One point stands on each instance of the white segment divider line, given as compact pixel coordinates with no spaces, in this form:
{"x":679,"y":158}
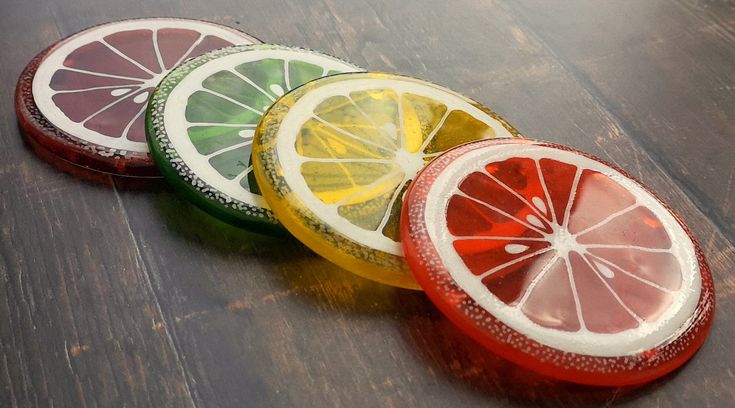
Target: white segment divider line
{"x":609,"y":218}
{"x":227,"y":98}
{"x":499,"y":211}
{"x":126,"y":57}
{"x":399,"y":129}
{"x":228,"y":148}
{"x":189,"y":50}
{"x":242,"y":175}
{"x":434,"y":131}
{"x":513,"y":262}
{"x":378,"y":129}
{"x":236,"y":181}
{"x":536,"y":279}
{"x":251,"y":83}
{"x":348,"y":134}
{"x":622,"y":246}
{"x":130,"y":124}
{"x":242,"y":125}
{"x":520,"y":197}
{"x":347,"y":160}
{"x":95,"y":88}
{"x":612,"y":292}
{"x":632,"y":275}
{"x":392,"y":201}
{"x":496,"y":238}
{"x":341,"y":165}
{"x":572,"y":197}
{"x":549,"y":204}
{"x":575,"y":295}
{"x":109,"y":105}
{"x":286,"y":75}
{"x":102,"y":74}
{"x":154,"y":35}
{"x":368,"y":187}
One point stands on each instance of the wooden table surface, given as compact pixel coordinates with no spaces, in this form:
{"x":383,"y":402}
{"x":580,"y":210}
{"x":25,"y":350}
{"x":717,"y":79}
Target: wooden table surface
{"x":111,"y":297}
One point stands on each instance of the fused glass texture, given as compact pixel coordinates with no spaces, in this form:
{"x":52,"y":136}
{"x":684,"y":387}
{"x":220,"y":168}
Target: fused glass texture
{"x":578,"y":252}
{"x":87,"y":94}
{"x":203,"y":118}
{"x":335,"y":157}
{"x":557,"y":261}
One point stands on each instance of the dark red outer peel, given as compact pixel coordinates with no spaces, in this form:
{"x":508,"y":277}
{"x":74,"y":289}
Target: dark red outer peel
{"x":432,"y":276}
{"x":94,"y":176}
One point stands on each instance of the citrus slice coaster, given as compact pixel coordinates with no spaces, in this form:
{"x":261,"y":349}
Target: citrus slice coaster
{"x":558,"y":261}
{"x":333,"y":159}
{"x":202,"y":119}
{"x":83,"y":99}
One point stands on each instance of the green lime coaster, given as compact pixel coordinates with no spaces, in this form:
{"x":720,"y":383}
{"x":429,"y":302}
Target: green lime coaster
{"x":202,"y":117}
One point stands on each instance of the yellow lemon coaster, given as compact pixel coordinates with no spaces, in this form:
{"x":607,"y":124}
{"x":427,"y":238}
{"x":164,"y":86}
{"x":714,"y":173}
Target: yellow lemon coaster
{"x":333,"y":159}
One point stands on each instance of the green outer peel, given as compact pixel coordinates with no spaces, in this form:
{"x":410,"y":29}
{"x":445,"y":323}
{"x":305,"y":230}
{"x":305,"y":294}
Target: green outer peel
{"x":182,"y":177}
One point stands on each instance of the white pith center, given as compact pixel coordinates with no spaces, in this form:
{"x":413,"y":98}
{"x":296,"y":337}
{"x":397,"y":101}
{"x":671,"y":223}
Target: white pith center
{"x":153,"y":82}
{"x":410,"y":163}
{"x":562,"y":240}
{"x":148,"y":85}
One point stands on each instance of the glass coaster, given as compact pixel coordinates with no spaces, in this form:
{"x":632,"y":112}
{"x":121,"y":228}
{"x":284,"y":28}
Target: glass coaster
{"x":558,"y":261}
{"x":334,"y":157}
{"x":203,"y":115}
{"x":83,"y":99}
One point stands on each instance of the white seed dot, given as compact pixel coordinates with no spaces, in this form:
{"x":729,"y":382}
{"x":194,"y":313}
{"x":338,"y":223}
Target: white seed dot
{"x":604,"y":270}
{"x":276,"y":89}
{"x":141,"y":98}
{"x":515,"y":248}
{"x":119,"y":92}
{"x":533,"y":220}
{"x":539,"y":203}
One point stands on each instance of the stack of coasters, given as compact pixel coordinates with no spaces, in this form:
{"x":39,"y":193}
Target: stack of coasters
{"x":546,"y":255}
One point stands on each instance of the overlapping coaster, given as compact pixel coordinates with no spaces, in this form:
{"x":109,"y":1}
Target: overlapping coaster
{"x":83,"y":99}
{"x":558,"y":261}
{"x":548,"y":256}
{"x":203,"y":116}
{"x":333,"y":159}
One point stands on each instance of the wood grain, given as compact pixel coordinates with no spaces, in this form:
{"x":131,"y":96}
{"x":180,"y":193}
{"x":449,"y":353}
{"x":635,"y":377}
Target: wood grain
{"x":113,"y":297}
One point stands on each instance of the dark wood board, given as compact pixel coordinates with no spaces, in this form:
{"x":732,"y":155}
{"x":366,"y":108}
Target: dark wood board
{"x":118,"y":297}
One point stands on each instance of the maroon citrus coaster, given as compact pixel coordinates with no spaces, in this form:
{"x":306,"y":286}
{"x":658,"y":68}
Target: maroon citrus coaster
{"x":82,"y":100}
{"x":557,"y":261}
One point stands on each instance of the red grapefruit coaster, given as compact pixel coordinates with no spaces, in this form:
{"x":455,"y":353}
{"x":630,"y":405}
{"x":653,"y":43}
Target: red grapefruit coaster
{"x":558,"y":261}
{"x":82,"y":100}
